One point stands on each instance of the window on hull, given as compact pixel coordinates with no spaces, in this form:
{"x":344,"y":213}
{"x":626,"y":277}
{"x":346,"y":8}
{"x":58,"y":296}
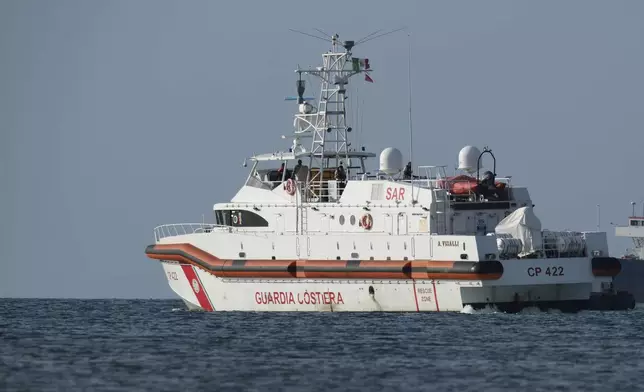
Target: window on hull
{"x":239,"y":218}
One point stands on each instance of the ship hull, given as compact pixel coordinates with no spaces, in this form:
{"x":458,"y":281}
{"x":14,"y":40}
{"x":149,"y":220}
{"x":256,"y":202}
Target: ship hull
{"x":203,"y":291}
{"x":631,"y":277}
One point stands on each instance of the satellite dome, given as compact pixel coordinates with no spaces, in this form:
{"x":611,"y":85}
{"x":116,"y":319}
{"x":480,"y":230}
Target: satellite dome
{"x":391,"y":161}
{"x":468,"y":159}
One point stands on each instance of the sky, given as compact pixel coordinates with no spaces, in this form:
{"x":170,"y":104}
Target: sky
{"x":118,"y":116}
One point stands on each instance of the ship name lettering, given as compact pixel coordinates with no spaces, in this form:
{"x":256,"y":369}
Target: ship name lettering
{"x":555,"y":270}
{"x":306,"y":298}
{"x":395,"y":193}
{"x":449,"y":243}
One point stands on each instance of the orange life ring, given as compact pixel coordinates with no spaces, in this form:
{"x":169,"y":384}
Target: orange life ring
{"x":289,"y":186}
{"x":366,"y":221}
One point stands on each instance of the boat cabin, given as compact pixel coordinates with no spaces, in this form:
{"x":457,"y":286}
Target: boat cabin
{"x":636,"y":221}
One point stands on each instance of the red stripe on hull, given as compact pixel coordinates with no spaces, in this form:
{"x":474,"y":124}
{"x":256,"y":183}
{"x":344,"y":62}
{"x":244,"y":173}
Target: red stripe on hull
{"x":415,"y":295}
{"x":197,"y":287}
{"x":435,"y":296}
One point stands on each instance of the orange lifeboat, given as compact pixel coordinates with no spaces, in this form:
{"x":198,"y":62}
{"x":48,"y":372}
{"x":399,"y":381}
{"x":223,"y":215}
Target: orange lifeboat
{"x":463,"y":184}
{"x":459,"y":185}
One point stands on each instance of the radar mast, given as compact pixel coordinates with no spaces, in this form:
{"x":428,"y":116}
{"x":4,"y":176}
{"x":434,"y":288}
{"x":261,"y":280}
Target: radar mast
{"x":328,"y":125}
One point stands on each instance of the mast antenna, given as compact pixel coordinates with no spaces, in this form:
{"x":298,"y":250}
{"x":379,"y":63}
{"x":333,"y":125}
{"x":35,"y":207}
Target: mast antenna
{"x":327,"y":124}
{"x":348,"y":45}
{"x":310,"y":35}
{"x":411,"y":144}
{"x":375,"y":35}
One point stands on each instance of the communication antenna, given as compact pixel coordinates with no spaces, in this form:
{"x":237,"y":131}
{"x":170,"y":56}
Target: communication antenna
{"x":411,"y":144}
{"x":348,"y":45}
{"x":310,"y":35}
{"x":375,"y":35}
{"x":323,"y":33}
{"x":327,"y":124}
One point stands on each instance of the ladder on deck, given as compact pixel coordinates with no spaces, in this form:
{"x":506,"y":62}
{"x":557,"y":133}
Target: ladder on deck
{"x":301,"y":211}
{"x":303,"y":219}
{"x":440,"y":199}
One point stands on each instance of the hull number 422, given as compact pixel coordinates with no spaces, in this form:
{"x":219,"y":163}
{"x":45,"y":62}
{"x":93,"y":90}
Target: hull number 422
{"x":548,"y":271}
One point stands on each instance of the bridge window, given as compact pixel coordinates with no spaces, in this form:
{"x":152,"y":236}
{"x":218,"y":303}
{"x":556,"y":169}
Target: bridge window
{"x":635,"y":222}
{"x":239,"y":218}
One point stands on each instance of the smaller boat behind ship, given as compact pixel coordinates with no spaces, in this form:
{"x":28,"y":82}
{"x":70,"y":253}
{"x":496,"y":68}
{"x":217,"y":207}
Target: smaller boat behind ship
{"x":632,"y":275}
{"x":315,"y":228}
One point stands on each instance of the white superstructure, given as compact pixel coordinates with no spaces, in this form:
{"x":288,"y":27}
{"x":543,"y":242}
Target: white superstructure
{"x":635,"y":231}
{"x":312,"y":237}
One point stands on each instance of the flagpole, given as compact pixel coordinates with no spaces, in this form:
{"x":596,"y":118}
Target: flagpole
{"x":411,"y":151}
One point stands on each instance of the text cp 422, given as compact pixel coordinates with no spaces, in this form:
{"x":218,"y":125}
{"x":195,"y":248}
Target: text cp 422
{"x":554,"y":270}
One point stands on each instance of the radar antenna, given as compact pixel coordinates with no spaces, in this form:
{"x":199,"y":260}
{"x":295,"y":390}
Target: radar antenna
{"x":327,"y":123}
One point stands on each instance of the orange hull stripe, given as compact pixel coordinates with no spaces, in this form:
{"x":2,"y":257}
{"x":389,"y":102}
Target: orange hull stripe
{"x":327,"y":269}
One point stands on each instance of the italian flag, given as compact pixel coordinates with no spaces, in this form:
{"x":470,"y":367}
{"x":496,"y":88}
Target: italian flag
{"x":360,"y":64}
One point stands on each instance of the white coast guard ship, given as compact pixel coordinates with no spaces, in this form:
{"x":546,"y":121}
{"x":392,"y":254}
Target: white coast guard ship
{"x":313,"y":237}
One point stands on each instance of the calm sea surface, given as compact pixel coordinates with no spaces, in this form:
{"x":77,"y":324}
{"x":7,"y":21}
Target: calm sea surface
{"x":108,"y":345}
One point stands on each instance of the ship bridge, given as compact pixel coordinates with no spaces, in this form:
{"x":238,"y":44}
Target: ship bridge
{"x":634,"y":230}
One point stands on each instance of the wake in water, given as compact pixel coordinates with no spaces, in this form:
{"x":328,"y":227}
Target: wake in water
{"x":468,"y":309}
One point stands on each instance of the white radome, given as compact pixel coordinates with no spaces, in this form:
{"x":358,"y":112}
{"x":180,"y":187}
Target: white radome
{"x":468,"y":158}
{"x":391,"y":161}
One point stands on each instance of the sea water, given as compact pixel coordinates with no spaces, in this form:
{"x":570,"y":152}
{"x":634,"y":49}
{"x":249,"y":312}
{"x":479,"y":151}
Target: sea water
{"x":156,"y":345}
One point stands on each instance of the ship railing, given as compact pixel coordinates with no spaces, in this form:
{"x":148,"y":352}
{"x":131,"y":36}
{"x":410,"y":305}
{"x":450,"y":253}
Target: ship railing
{"x":444,"y":183}
{"x":319,"y":190}
{"x":176,"y":229}
{"x":430,"y":182}
{"x":331,"y":190}
{"x":417,"y":181}
{"x":463,"y":187}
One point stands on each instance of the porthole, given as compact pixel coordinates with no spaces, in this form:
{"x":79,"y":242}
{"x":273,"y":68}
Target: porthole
{"x":352,"y":220}
{"x":341,"y":219}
